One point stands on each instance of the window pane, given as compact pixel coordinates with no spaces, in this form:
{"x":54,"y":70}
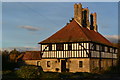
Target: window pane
{"x":94,"y":46}
{"x":50,"y":47}
{"x":70,"y":46}
{"x":103,"y":48}
{"x":59,"y":47}
{"x":80,"y":64}
{"x":48,"y":63}
{"x":108,"y":49}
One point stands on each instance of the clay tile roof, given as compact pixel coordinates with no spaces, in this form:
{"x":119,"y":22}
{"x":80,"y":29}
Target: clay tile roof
{"x":32,"y":55}
{"x":73,"y":32}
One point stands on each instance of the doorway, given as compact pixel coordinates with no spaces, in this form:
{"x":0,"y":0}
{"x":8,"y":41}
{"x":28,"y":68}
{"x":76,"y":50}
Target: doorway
{"x":63,"y":66}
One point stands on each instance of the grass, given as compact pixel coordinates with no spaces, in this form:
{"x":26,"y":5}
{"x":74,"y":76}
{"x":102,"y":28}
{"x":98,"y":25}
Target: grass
{"x":68,"y":76}
{"x":52,"y":76}
{"x":9,"y":75}
{"x":111,"y":72}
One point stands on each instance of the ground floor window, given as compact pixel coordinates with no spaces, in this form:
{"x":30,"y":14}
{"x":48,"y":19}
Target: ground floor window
{"x":38,"y":63}
{"x":48,"y":63}
{"x":80,"y":64}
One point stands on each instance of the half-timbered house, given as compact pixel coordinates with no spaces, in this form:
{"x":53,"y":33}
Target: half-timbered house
{"x":78,"y":47}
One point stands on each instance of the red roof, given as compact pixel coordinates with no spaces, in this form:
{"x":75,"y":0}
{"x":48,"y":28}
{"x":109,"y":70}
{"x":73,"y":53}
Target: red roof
{"x":32,"y":55}
{"x":73,"y":32}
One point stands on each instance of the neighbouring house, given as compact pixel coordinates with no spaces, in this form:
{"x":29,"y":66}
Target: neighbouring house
{"x":77,"y":47}
{"x":32,"y":58}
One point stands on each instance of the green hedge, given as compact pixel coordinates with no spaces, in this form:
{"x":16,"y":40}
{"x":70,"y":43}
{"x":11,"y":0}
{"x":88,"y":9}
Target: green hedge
{"x":28,"y":72}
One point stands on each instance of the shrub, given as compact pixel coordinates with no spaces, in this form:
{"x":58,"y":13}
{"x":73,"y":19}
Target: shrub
{"x":8,"y":74}
{"x":114,"y":69}
{"x":50,"y":75}
{"x":28,"y":72}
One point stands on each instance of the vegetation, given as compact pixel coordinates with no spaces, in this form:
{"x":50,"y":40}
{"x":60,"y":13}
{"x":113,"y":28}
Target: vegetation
{"x":28,"y":72}
{"x":9,"y":59}
{"x":34,"y":72}
{"x":13,"y":55}
{"x":9,"y":62}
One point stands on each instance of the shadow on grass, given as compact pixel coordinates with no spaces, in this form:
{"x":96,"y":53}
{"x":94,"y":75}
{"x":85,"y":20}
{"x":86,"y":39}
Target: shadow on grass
{"x":11,"y":75}
{"x":69,"y":76}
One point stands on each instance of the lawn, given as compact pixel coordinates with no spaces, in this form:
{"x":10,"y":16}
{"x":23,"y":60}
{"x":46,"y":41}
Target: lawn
{"x":36,"y":73}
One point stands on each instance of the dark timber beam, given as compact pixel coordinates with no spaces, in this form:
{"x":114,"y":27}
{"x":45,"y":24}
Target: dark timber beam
{"x":84,"y":48}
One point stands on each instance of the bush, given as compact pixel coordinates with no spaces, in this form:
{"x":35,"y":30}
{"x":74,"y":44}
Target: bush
{"x":8,"y":74}
{"x":50,"y":75}
{"x":28,"y":72}
{"x":113,"y":70}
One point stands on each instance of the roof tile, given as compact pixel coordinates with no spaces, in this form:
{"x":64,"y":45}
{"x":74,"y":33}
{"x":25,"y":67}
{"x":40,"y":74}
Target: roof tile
{"x":32,"y":55}
{"x":73,"y":32}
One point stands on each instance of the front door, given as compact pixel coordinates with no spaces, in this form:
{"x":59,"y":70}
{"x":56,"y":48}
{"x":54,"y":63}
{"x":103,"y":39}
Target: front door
{"x":63,"y":66}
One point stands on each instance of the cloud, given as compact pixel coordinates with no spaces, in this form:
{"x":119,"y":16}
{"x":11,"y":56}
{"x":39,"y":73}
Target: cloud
{"x":112,"y":38}
{"x":30,"y":28}
{"x":24,"y":48}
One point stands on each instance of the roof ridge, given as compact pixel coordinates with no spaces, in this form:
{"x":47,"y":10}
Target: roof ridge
{"x":74,"y":32}
{"x":82,"y":29}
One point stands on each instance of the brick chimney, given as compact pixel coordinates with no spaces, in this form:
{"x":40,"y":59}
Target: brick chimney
{"x":85,"y":18}
{"x":93,"y":22}
{"x":81,"y":16}
{"x":78,"y":13}
{"x":75,"y":11}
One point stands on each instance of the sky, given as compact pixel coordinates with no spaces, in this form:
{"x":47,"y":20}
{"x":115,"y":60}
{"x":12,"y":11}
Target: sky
{"x":60,"y":0}
{"x":24,"y":24}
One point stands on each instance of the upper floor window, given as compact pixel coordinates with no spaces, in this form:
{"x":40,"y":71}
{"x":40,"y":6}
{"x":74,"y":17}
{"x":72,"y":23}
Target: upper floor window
{"x":59,"y":47}
{"x":70,"y":46}
{"x":50,"y":47}
{"x":111,"y":49}
{"x":108,"y":49}
{"x":94,"y":46}
{"x":103,"y":48}
{"x":115,"y":50}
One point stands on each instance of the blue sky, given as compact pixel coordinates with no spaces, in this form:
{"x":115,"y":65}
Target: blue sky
{"x":26,"y":23}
